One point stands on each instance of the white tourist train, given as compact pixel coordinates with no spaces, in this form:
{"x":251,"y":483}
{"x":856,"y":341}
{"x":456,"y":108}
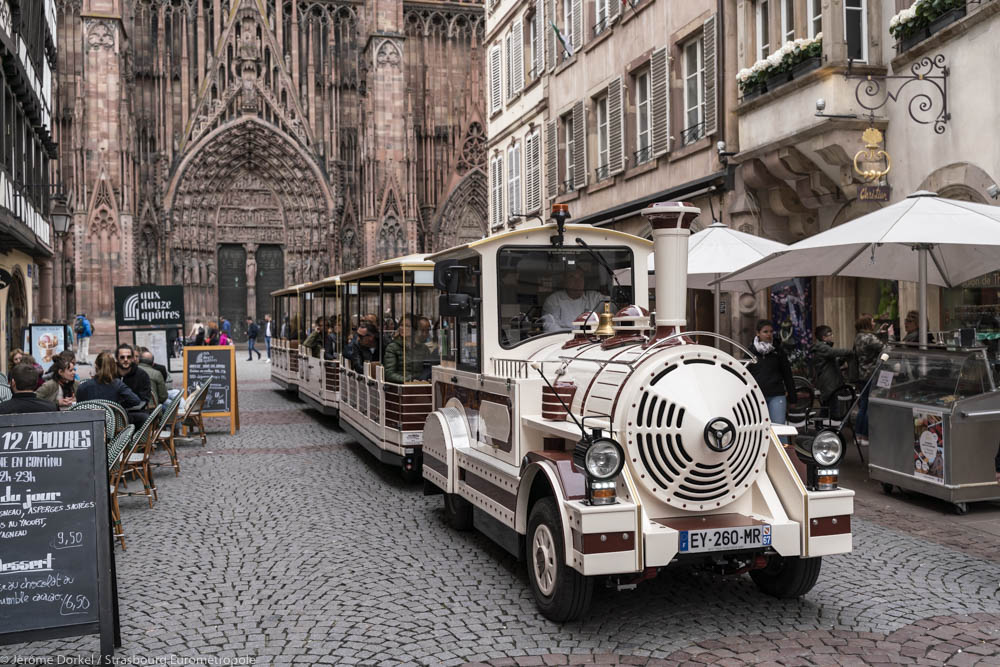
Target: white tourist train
{"x":556,"y":416}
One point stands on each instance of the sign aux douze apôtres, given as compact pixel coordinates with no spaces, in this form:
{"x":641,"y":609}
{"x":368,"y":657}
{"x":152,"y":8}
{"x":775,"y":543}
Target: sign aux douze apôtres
{"x":149,"y":305}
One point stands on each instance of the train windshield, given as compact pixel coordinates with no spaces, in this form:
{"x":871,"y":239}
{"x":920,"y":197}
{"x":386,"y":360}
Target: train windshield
{"x":543,"y":289}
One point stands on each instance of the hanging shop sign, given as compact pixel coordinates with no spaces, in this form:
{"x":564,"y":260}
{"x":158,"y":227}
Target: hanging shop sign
{"x":149,"y":305}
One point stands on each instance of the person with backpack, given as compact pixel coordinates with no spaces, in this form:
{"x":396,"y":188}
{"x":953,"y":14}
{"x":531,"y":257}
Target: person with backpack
{"x":253,"y":330}
{"x":83,"y":330}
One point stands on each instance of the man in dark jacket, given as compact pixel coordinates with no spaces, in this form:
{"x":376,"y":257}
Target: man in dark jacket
{"x":24,"y":400}
{"x":252,"y":332}
{"x":825,"y":360}
{"x":363,"y":347}
{"x":134,"y":379}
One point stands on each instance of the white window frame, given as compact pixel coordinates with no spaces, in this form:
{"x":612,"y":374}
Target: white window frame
{"x":787,"y":21}
{"x":497,"y":186}
{"x":533,"y":172}
{"x":508,"y":61}
{"x":603,"y":151}
{"x":763,"y":27}
{"x":644,"y":109}
{"x":601,"y":14}
{"x":514,"y":195}
{"x":815,"y":18}
{"x":863,"y":11}
{"x":496,"y":100}
{"x":696,"y":105}
{"x":531,"y":47}
{"x":569,"y":155}
{"x":567,"y":28}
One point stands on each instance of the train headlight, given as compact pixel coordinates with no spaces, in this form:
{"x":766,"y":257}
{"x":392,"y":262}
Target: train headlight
{"x":827,"y":448}
{"x":604,"y":459}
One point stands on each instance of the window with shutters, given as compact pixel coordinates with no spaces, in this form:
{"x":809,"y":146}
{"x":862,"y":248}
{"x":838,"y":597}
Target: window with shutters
{"x":496,"y":191}
{"x":514,"y":179}
{"x":508,"y":68}
{"x":643,"y":119}
{"x":815,"y":17}
{"x":763,"y":29}
{"x":856,"y":29}
{"x":601,"y":16}
{"x":569,"y":154}
{"x":531,"y":45}
{"x":494,"y":79}
{"x":517,"y":60}
{"x":787,"y":20}
{"x":532,"y":172}
{"x":567,"y":28}
{"x":694,"y":91}
{"x":601,"y":114}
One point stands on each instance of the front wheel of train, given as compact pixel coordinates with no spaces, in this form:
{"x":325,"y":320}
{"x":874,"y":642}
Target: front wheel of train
{"x":457,"y":511}
{"x":790,"y":577}
{"x":561,"y":593}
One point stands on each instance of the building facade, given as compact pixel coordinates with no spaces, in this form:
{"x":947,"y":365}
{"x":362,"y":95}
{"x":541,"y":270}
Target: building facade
{"x":607,"y":106}
{"x":236,"y":146}
{"x":796,"y":172}
{"x":28,"y":52}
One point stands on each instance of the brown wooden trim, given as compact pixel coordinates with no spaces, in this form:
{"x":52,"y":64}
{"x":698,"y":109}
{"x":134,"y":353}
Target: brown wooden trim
{"x":573,"y":483}
{"x":830,"y":525}
{"x":488,"y":489}
{"x":591,"y":543}
{"x":708,"y":522}
{"x":554,"y":444}
{"x":435,"y":464}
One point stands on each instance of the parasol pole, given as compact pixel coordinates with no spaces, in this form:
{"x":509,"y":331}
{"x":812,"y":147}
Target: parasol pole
{"x":718,"y":302}
{"x":922,"y":292}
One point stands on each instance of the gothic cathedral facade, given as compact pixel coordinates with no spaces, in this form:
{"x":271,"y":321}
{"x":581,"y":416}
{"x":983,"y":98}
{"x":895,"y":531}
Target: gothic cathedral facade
{"x":236,"y":146}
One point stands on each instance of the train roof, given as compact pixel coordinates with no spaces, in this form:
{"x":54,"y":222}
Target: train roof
{"x":417,"y":262}
{"x":293,"y":289}
{"x":543,"y":232}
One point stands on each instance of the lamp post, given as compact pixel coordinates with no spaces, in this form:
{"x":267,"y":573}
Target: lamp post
{"x":61,"y":219}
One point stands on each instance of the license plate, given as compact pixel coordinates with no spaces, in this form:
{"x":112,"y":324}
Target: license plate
{"x":725,"y":539}
{"x":413,"y":438}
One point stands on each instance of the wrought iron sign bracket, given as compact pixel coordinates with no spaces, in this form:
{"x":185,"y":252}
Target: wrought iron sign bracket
{"x":874,"y":92}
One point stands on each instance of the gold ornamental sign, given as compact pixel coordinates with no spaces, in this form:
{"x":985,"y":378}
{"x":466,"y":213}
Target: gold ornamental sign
{"x":873,"y":164}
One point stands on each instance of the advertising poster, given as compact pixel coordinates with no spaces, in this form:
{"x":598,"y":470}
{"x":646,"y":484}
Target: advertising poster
{"x":928,"y":446}
{"x":791,"y":313}
{"x":46,"y":340}
{"x":156,"y":341}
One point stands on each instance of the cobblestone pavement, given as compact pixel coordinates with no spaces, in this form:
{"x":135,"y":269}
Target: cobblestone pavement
{"x":288,"y":543}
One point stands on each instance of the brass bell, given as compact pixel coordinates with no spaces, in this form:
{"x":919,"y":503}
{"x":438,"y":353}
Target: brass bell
{"x":605,"y":328}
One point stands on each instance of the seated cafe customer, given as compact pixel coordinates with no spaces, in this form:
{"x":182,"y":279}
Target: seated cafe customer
{"x":60,"y":390}
{"x":136,"y":380}
{"x":107,"y":386}
{"x":23,"y":380}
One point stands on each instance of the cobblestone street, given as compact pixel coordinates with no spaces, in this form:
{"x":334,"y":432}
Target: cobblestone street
{"x":288,"y":543}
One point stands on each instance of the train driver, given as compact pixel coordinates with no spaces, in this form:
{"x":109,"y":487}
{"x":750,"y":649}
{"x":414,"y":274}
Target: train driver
{"x":565,"y":305}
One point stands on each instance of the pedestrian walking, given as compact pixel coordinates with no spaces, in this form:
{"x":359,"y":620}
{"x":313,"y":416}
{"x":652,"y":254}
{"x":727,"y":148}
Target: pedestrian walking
{"x":867,"y":347}
{"x":252,"y":332}
{"x":773,"y":372}
{"x":83,"y":330}
{"x":267,"y":336}
{"x":825,"y":360}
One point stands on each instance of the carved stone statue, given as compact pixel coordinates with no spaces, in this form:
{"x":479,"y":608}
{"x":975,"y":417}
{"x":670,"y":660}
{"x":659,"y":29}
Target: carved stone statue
{"x":178,"y":270}
{"x":210,"y":269}
{"x":251,"y":270}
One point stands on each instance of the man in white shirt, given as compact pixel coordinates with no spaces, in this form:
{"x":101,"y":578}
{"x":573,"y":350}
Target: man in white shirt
{"x":565,"y":305}
{"x":267,"y":336}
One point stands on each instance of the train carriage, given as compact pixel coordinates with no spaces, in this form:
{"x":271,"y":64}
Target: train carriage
{"x":591,"y":442}
{"x":287,"y":319}
{"x":384,"y":403}
{"x":319,"y":365}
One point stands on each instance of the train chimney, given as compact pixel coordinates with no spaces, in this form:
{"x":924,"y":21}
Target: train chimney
{"x":671,"y":223}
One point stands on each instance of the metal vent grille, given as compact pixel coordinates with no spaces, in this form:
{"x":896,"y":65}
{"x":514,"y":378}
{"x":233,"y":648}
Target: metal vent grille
{"x":666,"y":430}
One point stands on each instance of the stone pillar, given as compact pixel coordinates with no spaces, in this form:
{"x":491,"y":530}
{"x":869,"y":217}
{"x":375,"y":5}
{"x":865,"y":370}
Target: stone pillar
{"x":837,"y":308}
{"x":45,"y":289}
{"x":58,"y":291}
{"x":251,"y":282}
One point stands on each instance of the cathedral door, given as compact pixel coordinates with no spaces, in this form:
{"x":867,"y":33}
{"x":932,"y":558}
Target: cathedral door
{"x":233,"y":287}
{"x":270,"y":277}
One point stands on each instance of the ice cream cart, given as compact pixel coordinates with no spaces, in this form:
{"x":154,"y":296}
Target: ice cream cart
{"x":934,"y":423}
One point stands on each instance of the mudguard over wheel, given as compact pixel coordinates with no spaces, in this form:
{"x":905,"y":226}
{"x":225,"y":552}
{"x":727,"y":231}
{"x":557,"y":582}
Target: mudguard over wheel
{"x":457,"y":511}
{"x":790,"y":577}
{"x":561,"y":593}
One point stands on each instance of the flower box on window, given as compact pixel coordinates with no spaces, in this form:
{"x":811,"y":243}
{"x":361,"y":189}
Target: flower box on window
{"x":805,"y":66}
{"x":791,"y":60}
{"x":922,"y":19}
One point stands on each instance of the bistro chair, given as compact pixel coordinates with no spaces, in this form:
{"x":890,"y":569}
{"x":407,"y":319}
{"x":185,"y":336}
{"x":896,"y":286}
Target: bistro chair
{"x":115,"y":451}
{"x":137,"y":462}
{"x":110,"y":420}
{"x":121,"y":416}
{"x":165,"y":433}
{"x":192,"y":419}
{"x":3,"y":379}
{"x":5,"y":393}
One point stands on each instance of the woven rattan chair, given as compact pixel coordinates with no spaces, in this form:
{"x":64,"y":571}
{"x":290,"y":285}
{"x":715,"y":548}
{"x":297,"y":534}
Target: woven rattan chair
{"x":165,"y":433}
{"x":3,"y":379}
{"x":137,"y":462}
{"x":5,"y":393}
{"x":192,"y":419}
{"x":121,"y":416}
{"x":110,"y":420}
{"x":116,"y":452}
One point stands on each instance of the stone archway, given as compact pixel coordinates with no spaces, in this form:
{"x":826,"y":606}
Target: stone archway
{"x":249,"y":183}
{"x":464,"y":216}
{"x":16,"y":312}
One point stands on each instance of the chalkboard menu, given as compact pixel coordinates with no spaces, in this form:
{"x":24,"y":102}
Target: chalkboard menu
{"x":56,"y":566}
{"x":217,"y":362}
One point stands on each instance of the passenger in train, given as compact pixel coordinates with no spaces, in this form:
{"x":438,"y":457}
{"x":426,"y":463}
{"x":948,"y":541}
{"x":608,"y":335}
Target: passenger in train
{"x":330,"y":341}
{"x":404,"y":356}
{"x":363,"y":348}
{"x":565,"y":305}
{"x":314,"y":342}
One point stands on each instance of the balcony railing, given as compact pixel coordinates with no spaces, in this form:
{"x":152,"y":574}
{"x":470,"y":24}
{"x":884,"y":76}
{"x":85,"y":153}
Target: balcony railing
{"x":602,"y":172}
{"x":643,"y":155}
{"x":567,"y":185}
{"x":601,"y":25}
{"x":693,"y":134}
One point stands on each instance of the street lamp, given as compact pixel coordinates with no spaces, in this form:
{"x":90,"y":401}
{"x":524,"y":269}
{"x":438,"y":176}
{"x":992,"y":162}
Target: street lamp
{"x":60,"y":215}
